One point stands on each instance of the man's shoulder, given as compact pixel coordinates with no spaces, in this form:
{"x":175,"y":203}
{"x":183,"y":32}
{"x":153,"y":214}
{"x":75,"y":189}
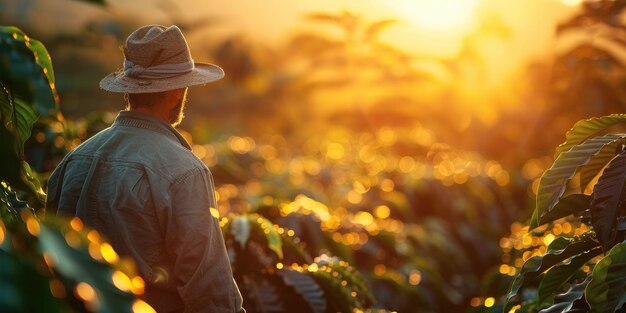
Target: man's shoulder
{"x":164,"y":154}
{"x":156,"y":151}
{"x":183,"y":162}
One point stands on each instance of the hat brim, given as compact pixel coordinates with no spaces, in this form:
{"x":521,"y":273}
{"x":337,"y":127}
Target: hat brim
{"x":202,"y":73}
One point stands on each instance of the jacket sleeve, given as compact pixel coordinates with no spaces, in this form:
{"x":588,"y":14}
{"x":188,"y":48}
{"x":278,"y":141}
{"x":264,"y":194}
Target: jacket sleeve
{"x":195,"y":244}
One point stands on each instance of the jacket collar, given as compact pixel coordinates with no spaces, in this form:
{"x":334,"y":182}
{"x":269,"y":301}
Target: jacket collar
{"x":151,"y":122}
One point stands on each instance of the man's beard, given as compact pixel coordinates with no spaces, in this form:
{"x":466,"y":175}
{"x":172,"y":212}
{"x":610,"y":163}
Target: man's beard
{"x":177,"y":113}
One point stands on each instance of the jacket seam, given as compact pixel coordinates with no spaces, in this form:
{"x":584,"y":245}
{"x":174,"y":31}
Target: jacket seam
{"x":139,"y":165}
{"x":184,"y":177}
{"x":142,"y":124}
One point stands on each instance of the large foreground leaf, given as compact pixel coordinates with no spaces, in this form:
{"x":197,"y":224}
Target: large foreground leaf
{"x":605,"y":292}
{"x":586,"y":128}
{"x":20,"y":282}
{"x":558,"y":275}
{"x":26,"y":70}
{"x":79,"y":266}
{"x":572,"y":301}
{"x":555,"y":180}
{"x":65,"y":257}
{"x":26,"y":92}
{"x":537,"y":265}
{"x":606,"y":199}
{"x":16,"y":119}
{"x":569,"y":205}
{"x":596,"y":165}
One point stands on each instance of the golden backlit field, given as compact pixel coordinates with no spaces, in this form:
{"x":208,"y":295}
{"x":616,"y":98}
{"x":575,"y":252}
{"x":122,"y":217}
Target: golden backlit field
{"x":369,"y":156}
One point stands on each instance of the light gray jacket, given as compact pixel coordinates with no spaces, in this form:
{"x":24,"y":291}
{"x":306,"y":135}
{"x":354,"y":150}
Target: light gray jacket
{"x":138,"y":183}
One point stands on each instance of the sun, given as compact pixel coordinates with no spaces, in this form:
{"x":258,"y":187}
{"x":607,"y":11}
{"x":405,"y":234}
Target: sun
{"x":436,"y":14}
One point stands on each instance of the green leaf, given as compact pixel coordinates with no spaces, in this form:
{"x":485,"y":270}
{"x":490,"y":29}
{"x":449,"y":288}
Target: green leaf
{"x":571,"y":299}
{"x":606,"y":199}
{"x":10,"y":205}
{"x":330,"y":275}
{"x":26,"y":70}
{"x":17,"y":116}
{"x":569,"y":205}
{"x":26,"y":91}
{"x":40,"y":53}
{"x":555,"y":180}
{"x":20,"y":283}
{"x":558,"y":275}
{"x":596,"y":165}
{"x":76,"y":264}
{"x":338,"y":296}
{"x":586,"y":128}
{"x":266,"y":228}
{"x":559,"y":243}
{"x":294,"y":251}
{"x":605,"y":291}
{"x":306,"y":287}
{"x":28,"y":176}
{"x":12,"y":151}
{"x":537,"y":265}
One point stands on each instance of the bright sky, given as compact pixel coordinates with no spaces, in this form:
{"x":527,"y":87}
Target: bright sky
{"x":424,"y":27}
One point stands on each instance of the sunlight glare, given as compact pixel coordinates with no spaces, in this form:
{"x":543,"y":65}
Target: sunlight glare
{"x":436,"y":15}
{"x":572,"y":3}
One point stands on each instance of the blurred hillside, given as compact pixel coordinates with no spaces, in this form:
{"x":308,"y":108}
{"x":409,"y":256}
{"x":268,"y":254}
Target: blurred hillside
{"x":337,"y":70}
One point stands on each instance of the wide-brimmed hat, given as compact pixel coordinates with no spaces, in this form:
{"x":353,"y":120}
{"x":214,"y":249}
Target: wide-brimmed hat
{"x":157,"y":58}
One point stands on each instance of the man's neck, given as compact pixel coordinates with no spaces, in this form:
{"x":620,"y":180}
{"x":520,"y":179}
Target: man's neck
{"x":157,"y":113}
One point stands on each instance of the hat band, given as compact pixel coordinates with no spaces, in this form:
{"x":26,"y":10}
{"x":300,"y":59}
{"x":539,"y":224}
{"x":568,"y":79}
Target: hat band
{"x":157,"y":71}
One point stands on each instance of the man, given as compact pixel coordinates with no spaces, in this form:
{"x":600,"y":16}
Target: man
{"x":138,"y":183}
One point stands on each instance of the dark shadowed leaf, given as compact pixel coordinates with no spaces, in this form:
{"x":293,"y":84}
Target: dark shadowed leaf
{"x":596,"y":165}
{"x":605,"y":292}
{"x":559,"y":243}
{"x":606,"y":198}
{"x":19,"y":281}
{"x":264,"y":296}
{"x":537,"y":265}
{"x":558,"y":275}
{"x":571,"y":301}
{"x":305,"y":286}
{"x":569,"y":205}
